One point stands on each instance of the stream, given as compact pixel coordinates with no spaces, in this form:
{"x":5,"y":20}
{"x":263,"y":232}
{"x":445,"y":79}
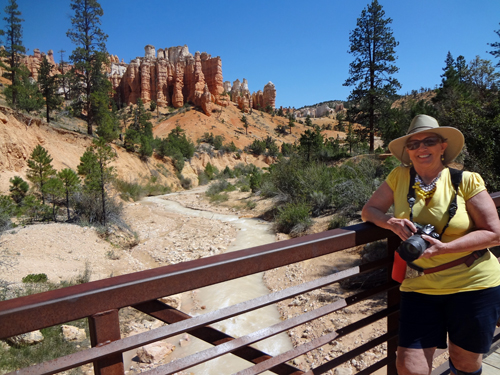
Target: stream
{"x":250,"y":232}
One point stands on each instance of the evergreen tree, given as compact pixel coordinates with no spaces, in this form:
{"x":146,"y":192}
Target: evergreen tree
{"x":26,"y":92}
{"x":451,"y":88}
{"x":94,"y":166}
{"x":308,"y":121}
{"x":311,"y":143}
{"x":18,"y":189}
{"x":140,"y":131}
{"x":40,"y":170}
{"x":54,"y":189}
{"x":245,"y":123}
{"x":71,"y":182}
{"x":496,"y":48}
{"x":48,"y":87}
{"x":14,"y":45}
{"x":89,"y":55}
{"x":373,"y":45}
{"x":291,"y":122}
{"x":108,"y":124}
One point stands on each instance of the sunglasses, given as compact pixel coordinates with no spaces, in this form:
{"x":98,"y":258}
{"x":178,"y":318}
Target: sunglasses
{"x":428,"y":142}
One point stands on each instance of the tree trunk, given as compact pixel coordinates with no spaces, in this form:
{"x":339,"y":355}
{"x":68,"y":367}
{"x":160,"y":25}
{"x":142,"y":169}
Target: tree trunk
{"x":67,"y":203}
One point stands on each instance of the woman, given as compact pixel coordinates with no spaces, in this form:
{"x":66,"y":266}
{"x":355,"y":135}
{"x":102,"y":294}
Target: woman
{"x":458,"y":296}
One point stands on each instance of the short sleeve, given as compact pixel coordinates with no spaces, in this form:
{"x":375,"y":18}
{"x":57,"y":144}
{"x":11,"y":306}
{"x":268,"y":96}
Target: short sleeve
{"x":394,"y":176}
{"x":472,"y":184}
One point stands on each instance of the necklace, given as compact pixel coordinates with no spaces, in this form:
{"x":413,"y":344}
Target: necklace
{"x":423,"y":190}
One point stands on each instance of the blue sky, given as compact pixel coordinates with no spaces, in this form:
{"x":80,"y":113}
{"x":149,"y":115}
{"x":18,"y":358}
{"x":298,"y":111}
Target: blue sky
{"x":301,"y":46}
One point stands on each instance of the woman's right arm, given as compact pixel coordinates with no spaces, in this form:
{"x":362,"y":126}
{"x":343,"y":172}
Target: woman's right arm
{"x":375,"y":210}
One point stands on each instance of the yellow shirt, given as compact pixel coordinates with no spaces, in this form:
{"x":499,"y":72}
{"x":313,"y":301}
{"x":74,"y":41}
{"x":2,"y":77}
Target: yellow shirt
{"x":484,"y":273}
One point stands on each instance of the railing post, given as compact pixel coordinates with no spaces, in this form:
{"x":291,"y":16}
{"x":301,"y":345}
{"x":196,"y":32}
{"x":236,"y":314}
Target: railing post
{"x":393,"y":298}
{"x":104,"y":327}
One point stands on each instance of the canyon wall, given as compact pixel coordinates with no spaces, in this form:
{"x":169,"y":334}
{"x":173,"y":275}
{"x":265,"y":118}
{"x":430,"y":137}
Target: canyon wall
{"x":173,"y":77}
{"x":170,"y":77}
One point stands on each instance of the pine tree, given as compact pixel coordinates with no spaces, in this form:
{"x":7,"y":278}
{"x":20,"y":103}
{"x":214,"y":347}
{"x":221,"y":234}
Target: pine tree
{"x":54,"y":189}
{"x":291,"y":122}
{"x":373,"y":46}
{"x":71,"y":182}
{"x":245,"y":123}
{"x":496,"y":48}
{"x":94,"y":166}
{"x":18,"y":189}
{"x":49,"y":85}
{"x":89,"y":55}
{"x":14,"y":45}
{"x":39,"y":169}
{"x":26,"y":92}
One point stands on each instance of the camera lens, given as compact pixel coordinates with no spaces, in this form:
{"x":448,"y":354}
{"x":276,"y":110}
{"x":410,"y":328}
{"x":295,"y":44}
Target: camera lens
{"x":412,"y":248}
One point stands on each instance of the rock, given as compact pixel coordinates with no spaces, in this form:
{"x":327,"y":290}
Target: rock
{"x":29,"y":338}
{"x":154,"y":352}
{"x":174,"y":301}
{"x":72,"y":333}
{"x":269,"y":96}
{"x":343,"y":371}
{"x":174,"y":77}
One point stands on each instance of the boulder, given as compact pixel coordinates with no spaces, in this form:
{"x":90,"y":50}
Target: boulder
{"x":29,"y":338}
{"x":72,"y":333}
{"x":154,"y":352}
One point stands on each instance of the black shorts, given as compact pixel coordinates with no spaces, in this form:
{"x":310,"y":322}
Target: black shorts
{"x":468,"y":318}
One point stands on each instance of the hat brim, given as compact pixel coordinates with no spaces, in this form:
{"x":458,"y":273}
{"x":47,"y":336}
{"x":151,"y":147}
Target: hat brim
{"x":454,"y":139}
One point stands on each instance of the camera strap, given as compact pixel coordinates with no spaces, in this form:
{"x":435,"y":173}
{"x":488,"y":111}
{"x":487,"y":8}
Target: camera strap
{"x":456,"y":179}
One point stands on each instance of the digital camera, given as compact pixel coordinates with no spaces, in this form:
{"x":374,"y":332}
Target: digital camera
{"x":413,"y":247}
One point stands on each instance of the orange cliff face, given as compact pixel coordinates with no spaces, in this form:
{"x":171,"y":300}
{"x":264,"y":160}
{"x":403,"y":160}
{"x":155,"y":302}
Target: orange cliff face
{"x":173,"y":76}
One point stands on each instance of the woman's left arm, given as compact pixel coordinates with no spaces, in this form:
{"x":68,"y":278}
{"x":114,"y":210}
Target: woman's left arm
{"x":483,"y":212}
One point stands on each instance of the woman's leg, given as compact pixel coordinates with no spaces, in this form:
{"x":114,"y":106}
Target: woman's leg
{"x":464,"y":360}
{"x":414,"y":361}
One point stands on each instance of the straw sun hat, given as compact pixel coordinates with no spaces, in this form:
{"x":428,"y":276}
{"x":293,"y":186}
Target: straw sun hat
{"x":428,"y":124}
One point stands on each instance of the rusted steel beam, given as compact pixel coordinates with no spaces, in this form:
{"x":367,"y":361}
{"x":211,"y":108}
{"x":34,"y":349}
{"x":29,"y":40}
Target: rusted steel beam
{"x":318,"y":342}
{"x":231,"y":346}
{"x":114,"y":347}
{"x":42,"y":310}
{"x":378,"y":365}
{"x":351,"y":354}
{"x":105,"y":328}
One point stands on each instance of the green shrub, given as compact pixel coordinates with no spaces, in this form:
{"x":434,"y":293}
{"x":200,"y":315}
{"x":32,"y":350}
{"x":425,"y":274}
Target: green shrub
{"x":218,"y":198}
{"x":203,"y":179}
{"x":211,"y":171}
{"x":293,"y":218}
{"x":250,"y":205}
{"x":186,"y":183}
{"x":220,"y":186}
{"x":35,"y":278}
{"x":338,"y":221}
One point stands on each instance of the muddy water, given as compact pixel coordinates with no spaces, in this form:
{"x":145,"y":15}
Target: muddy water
{"x":251,"y":232}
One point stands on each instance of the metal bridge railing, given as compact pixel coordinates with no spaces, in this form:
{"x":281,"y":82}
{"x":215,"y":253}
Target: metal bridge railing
{"x":100,"y":301}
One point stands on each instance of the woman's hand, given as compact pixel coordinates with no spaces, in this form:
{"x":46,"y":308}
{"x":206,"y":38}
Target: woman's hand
{"x":436,"y":247}
{"x":404,"y":228}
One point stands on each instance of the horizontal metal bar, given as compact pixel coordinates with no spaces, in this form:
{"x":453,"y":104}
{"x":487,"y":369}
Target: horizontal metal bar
{"x":228,"y":347}
{"x":209,"y":334}
{"x":251,"y":338}
{"x":378,"y":365}
{"x":42,"y":310}
{"x":132,"y":342}
{"x":316,"y":343}
{"x":352,"y":353}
